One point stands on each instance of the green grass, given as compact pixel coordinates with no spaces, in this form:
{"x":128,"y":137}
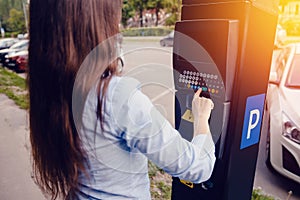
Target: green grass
{"x":259,"y":195}
{"x":14,"y":87}
{"x":160,"y":183}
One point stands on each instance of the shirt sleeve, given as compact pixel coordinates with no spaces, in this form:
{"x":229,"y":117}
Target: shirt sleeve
{"x":145,"y":129}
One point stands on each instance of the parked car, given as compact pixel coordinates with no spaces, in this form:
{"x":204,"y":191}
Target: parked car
{"x":19,"y":46}
{"x":167,"y":40}
{"x":7,"y":42}
{"x":283,"y":109}
{"x":17,"y":61}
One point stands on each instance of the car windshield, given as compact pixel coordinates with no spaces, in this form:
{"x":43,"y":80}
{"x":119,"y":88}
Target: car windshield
{"x":293,"y":80}
{"x":19,"y":45}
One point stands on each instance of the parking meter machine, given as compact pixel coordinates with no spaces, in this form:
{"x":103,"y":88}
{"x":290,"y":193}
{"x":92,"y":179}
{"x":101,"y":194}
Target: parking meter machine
{"x":204,"y":56}
{"x":224,"y":47}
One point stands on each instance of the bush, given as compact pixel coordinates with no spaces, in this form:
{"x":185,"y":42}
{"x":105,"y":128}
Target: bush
{"x":259,"y":195}
{"x":172,"y":19}
{"x":11,"y":34}
{"x":292,"y":27}
{"x":155,"y":31}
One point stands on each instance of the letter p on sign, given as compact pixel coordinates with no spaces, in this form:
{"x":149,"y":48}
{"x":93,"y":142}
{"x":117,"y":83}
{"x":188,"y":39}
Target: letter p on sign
{"x":253,"y":114}
{"x":252,"y":120}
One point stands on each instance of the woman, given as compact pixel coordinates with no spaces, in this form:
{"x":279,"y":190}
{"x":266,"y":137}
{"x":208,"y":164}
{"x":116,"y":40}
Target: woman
{"x":96,"y":145}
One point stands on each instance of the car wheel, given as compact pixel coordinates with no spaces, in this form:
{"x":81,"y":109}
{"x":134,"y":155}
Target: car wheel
{"x":162,"y":43}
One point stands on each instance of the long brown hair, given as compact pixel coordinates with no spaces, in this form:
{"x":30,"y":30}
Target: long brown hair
{"x":62,"y":33}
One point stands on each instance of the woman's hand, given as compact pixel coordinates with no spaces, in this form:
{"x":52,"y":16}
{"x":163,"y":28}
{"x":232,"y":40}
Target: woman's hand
{"x":201,"y":108}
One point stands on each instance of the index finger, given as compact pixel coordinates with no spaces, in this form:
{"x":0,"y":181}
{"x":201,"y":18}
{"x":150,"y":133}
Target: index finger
{"x":197,"y":94}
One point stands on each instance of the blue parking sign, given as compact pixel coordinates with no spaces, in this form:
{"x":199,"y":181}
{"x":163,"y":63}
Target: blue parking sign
{"x":252,"y":120}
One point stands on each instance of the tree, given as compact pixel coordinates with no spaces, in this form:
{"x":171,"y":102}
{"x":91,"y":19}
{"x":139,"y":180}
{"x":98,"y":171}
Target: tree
{"x":139,"y":6}
{"x":5,"y":7}
{"x":16,"y":21}
{"x":157,"y":5}
{"x":127,"y":12}
{"x":173,"y":7}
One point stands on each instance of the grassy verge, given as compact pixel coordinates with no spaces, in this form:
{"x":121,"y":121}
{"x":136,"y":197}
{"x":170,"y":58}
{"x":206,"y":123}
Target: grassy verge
{"x":160,"y":183}
{"x":259,"y":195}
{"x":14,"y":87}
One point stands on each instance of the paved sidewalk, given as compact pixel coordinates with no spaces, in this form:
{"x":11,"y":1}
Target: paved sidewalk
{"x":15,"y":168}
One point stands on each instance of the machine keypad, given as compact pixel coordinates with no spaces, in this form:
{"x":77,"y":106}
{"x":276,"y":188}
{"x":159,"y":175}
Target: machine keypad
{"x":196,"y":80}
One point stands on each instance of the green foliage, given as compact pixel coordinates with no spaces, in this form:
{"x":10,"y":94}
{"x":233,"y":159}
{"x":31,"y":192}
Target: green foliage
{"x":171,"y":20}
{"x":12,"y":16}
{"x":16,"y":21}
{"x":139,"y":6}
{"x":127,"y":12}
{"x":131,"y":7}
{"x":258,"y":195}
{"x":14,"y":87}
{"x":6,"y":6}
{"x":165,"y":189}
{"x":11,"y":34}
{"x":155,"y":31}
{"x":160,"y":183}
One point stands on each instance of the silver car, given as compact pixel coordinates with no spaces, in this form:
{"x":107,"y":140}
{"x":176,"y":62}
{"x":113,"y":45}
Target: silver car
{"x":167,"y":40}
{"x":283,"y":109}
